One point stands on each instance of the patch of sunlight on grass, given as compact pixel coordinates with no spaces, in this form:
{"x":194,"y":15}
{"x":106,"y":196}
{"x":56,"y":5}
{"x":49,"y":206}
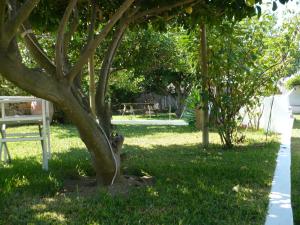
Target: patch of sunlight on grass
{"x":50,"y":216}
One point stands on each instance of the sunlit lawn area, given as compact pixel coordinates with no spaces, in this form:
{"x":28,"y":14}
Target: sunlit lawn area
{"x":193,"y":186}
{"x":296,"y":170}
{"x":158,"y":116}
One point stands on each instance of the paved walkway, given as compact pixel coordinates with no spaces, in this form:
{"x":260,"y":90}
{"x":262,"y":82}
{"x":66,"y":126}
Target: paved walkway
{"x":150,"y":122}
{"x":280,"y":210}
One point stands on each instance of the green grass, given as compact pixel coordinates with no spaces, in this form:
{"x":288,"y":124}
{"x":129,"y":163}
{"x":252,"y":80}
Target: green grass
{"x":296,"y":170}
{"x":193,"y":185}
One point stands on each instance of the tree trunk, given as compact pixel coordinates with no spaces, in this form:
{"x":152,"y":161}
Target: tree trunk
{"x":204,"y":85}
{"x":103,"y":107}
{"x":104,"y":161}
{"x":92,"y":87}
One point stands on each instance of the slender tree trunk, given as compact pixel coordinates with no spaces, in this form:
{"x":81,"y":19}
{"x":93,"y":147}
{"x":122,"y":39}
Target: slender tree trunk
{"x":103,"y":107}
{"x":204,"y":86}
{"x":92,"y":87}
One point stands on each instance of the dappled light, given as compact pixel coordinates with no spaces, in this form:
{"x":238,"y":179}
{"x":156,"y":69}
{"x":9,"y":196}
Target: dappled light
{"x":185,"y":174}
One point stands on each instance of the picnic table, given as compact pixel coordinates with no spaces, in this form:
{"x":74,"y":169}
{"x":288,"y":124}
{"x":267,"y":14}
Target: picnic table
{"x":146,"y":108}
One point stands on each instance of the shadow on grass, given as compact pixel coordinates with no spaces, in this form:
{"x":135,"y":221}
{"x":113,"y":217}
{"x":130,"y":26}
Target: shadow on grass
{"x":26,"y":174}
{"x":191,"y":186}
{"x":295,"y":170}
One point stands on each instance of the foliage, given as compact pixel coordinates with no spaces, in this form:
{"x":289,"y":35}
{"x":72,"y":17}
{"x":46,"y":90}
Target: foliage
{"x":245,"y":63}
{"x":192,"y":103}
{"x":295,"y":170}
{"x":292,"y":82}
{"x":124,"y":87}
{"x":156,"y":58}
{"x":231,"y":185}
{"x":9,"y":89}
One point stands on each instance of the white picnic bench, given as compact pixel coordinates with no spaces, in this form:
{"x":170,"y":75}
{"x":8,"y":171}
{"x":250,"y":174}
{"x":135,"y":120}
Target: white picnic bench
{"x":42,"y":120}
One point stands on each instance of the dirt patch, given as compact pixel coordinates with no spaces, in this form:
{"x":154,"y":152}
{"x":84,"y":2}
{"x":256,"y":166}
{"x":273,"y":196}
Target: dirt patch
{"x":128,"y":182}
{"x":86,"y":186}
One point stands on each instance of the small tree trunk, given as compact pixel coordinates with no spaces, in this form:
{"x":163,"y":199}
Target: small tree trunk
{"x":92,"y":87}
{"x":204,"y":68}
{"x":102,"y":107}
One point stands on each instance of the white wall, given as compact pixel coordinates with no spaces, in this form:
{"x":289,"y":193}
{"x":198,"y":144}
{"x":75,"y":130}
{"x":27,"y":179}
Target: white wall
{"x":277,"y":120}
{"x":294,"y":99}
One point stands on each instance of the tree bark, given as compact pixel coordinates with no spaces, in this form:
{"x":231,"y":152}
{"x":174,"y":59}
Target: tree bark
{"x":91,"y":64}
{"x":41,"y":85}
{"x":92,"y":87}
{"x":103,"y":107}
{"x":204,"y":86}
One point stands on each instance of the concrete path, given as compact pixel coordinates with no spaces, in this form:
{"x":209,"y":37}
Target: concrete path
{"x":150,"y":122}
{"x":280,"y":209}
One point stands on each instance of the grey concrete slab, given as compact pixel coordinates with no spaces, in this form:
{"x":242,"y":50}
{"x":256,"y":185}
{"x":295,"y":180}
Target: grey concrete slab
{"x":280,"y":209}
{"x":150,"y":122}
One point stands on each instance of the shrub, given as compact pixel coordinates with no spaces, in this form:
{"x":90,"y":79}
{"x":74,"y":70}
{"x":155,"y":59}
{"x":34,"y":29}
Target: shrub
{"x":294,"y":81}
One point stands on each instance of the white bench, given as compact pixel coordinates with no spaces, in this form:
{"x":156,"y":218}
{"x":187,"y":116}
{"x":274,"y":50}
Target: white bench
{"x":42,"y":120}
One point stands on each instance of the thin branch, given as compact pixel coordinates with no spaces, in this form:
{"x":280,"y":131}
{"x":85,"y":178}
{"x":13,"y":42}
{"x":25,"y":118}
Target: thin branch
{"x":59,"y":55}
{"x":89,"y":50}
{"x":107,"y":63}
{"x":23,"y":13}
{"x":2,"y":13}
{"x":73,"y":27}
{"x":36,"y":50}
{"x":93,"y":21}
{"x":158,"y":10}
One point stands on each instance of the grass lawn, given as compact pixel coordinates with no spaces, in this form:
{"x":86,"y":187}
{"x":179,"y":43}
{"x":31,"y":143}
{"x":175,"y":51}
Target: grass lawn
{"x":193,"y":185}
{"x":296,"y":170}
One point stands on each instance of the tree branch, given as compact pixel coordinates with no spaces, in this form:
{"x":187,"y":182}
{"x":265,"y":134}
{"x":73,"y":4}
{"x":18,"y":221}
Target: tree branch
{"x":2,"y":14}
{"x":23,"y":13}
{"x":34,"y":81}
{"x":89,"y":50}
{"x":158,"y":10}
{"x":71,"y":31}
{"x":59,"y":55}
{"x":36,"y":50}
{"x":93,"y":21}
{"x":107,"y":63}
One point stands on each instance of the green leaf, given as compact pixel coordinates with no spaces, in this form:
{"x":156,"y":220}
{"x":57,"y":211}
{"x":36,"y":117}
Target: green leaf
{"x":250,"y":3}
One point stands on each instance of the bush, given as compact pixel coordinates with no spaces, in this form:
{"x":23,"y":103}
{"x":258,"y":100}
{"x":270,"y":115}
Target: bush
{"x":294,"y":81}
{"x":192,"y":103}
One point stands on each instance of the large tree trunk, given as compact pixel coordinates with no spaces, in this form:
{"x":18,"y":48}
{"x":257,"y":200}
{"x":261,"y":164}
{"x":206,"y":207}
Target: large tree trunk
{"x":104,"y":160}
